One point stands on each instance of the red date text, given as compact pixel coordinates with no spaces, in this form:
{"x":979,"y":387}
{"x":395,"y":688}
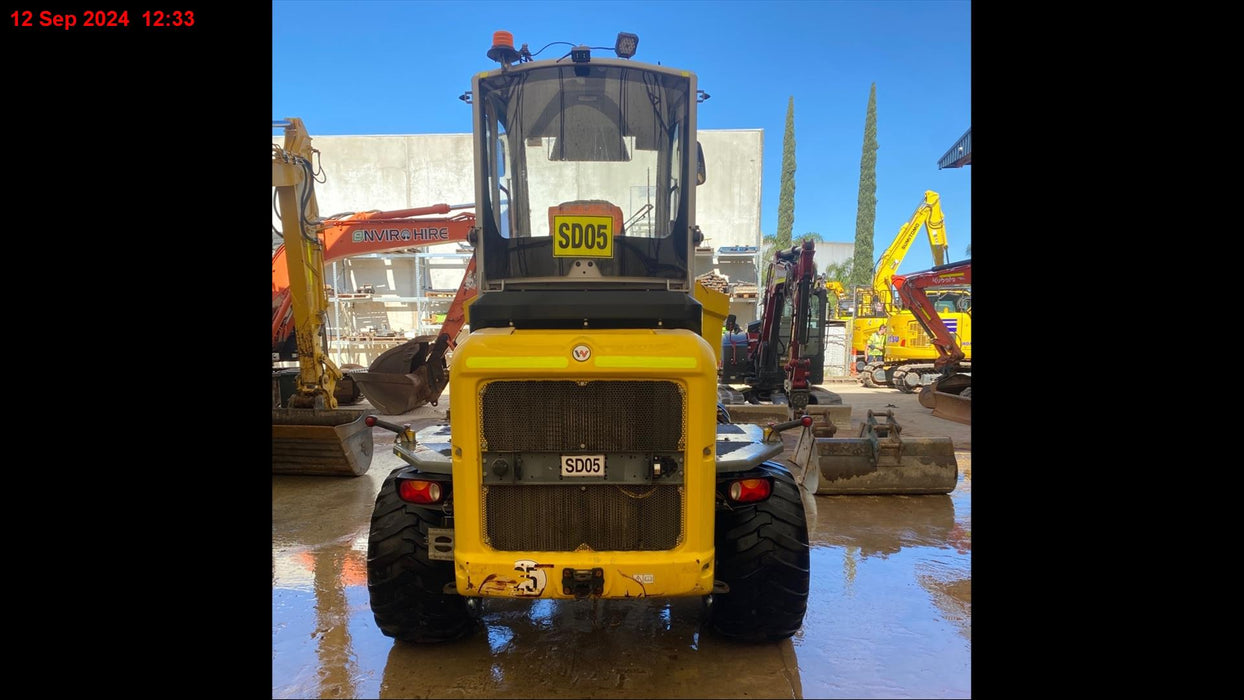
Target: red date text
{"x":89,"y":18}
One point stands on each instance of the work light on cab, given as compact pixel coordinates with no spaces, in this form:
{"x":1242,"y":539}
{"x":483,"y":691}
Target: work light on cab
{"x":626,"y":44}
{"x":750,"y":490}
{"x":420,"y":491}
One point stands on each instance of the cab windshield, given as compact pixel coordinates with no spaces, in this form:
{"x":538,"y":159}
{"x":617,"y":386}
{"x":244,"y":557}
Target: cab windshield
{"x":585,"y":174}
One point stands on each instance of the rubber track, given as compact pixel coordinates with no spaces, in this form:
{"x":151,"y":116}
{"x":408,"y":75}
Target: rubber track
{"x":902,"y":370}
{"x":404,"y":584}
{"x":923,"y":369}
{"x":866,"y":376}
{"x":763,"y":556}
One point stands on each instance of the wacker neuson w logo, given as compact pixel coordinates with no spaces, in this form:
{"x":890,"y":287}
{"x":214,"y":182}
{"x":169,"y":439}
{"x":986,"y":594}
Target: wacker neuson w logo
{"x":389,"y":235}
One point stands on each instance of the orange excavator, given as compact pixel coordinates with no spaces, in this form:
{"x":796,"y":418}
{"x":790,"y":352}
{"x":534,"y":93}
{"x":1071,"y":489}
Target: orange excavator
{"x":414,"y":373}
{"x":950,"y":395}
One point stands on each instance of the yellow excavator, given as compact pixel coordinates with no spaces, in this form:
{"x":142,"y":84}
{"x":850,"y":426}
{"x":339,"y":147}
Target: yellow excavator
{"x":909,"y":356}
{"x":873,"y":304}
{"x":840,"y":295}
{"x":311,"y":435}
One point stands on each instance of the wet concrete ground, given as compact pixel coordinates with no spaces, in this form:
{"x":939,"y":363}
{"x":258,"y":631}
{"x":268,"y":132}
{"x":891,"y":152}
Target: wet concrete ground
{"x":890,"y":612}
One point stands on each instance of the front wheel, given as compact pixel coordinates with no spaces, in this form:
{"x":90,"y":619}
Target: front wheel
{"x":405,"y":585}
{"x":763,"y":556}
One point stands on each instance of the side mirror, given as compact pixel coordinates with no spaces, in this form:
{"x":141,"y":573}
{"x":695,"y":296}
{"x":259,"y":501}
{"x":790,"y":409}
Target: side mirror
{"x":701,"y":173}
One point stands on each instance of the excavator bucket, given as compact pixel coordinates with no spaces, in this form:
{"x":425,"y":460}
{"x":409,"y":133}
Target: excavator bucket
{"x":320,"y":442}
{"x":950,"y":398}
{"x":879,"y":461}
{"x":406,"y":377}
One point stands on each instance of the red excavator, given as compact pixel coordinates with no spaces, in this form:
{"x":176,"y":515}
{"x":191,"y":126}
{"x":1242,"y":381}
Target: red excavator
{"x":413,"y":373}
{"x":950,"y":395}
{"x":782,"y":354}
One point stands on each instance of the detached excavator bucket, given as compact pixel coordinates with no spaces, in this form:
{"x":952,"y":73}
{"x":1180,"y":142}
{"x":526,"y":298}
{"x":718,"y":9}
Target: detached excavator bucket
{"x":405,"y":377}
{"x":320,"y":442}
{"x":950,"y":398}
{"x":879,"y":461}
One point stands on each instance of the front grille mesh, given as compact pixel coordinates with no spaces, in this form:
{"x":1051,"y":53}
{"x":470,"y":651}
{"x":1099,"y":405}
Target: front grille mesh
{"x":605,"y":416}
{"x":595,"y":417}
{"x":565,"y":518}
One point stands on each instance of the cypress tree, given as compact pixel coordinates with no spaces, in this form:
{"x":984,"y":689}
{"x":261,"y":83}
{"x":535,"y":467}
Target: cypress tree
{"x":786,"y":200}
{"x":866,"y":206}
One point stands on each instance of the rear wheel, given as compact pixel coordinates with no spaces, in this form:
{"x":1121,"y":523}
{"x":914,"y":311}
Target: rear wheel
{"x":763,"y":556}
{"x":405,"y":585}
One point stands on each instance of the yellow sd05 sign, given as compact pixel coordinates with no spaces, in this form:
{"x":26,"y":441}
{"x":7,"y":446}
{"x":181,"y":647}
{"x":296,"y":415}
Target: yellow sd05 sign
{"x":583,"y":236}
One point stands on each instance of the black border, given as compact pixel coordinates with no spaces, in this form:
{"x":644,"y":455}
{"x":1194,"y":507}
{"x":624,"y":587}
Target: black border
{"x":132,"y":154}
{"x":135,"y":150}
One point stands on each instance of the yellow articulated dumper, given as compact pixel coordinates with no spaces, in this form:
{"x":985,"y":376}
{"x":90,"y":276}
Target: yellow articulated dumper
{"x":583,"y":455}
{"x":311,"y":435}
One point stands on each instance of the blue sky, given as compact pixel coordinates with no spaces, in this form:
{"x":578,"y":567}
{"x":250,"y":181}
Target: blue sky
{"x":398,"y":67}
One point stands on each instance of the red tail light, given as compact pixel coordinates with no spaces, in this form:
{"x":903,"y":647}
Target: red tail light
{"x":750,"y":490}
{"x":419,"y":491}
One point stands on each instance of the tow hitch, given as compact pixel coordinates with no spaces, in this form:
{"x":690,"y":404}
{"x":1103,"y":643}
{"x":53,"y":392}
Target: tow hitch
{"x":583,"y":582}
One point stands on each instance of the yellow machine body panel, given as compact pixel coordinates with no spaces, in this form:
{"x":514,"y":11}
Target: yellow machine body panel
{"x":716,"y":307}
{"x":600,"y":363}
{"x":906,"y":340}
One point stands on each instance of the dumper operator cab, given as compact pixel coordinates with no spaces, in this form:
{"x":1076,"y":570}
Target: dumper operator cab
{"x":584,"y":457}
{"x":584,"y":188}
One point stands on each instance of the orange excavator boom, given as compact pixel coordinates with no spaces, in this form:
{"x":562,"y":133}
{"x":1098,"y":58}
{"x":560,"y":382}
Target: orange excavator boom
{"x":911,"y":288}
{"x":361,"y":234}
{"x":413,"y":373}
{"x":950,"y":396}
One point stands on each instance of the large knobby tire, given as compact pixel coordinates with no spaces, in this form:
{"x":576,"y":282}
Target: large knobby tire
{"x":407,"y":587}
{"x":763,"y":556}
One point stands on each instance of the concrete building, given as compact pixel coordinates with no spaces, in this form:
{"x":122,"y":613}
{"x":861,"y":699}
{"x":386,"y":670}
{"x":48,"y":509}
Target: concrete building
{"x":406,"y":294}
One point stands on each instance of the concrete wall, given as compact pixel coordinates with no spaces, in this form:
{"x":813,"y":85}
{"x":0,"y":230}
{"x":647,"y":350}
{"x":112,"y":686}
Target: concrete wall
{"x":833,"y":254}
{"x":363,"y":173}
{"x":728,"y":203}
